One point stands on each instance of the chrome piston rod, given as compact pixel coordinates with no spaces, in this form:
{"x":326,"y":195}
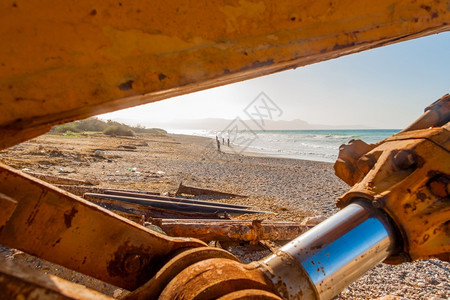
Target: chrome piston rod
{"x":323,"y":261}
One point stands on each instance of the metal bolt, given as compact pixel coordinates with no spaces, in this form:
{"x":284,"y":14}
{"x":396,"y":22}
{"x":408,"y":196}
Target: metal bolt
{"x":404,"y":159}
{"x":132,"y":263}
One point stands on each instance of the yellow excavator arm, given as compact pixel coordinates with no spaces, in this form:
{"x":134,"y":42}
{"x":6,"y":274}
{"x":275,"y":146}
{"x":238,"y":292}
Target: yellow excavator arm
{"x":62,"y":61}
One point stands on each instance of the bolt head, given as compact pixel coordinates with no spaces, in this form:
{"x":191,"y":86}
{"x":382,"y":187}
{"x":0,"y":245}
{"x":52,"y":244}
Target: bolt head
{"x":132,"y":263}
{"x":404,"y":159}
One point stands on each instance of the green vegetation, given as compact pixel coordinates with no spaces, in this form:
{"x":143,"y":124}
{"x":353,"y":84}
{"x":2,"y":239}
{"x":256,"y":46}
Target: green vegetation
{"x":119,"y":130}
{"x":109,"y":128}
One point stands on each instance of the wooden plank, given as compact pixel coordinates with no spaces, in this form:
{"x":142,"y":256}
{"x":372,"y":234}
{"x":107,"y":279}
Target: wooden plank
{"x":233,"y":230}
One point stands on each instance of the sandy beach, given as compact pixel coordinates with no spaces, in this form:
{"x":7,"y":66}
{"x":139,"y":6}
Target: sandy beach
{"x":289,"y":188}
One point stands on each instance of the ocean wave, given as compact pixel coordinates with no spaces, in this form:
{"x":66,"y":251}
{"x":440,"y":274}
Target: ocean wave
{"x":318,"y":145}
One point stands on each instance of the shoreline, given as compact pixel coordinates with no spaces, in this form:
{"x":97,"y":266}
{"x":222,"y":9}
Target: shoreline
{"x":243,"y":151}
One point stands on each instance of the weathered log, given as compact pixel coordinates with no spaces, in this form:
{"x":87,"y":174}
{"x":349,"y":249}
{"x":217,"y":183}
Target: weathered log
{"x":178,"y":206}
{"x":233,"y":230}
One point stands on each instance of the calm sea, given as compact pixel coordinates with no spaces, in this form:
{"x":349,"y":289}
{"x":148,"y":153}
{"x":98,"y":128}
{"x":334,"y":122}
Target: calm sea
{"x":318,"y":145}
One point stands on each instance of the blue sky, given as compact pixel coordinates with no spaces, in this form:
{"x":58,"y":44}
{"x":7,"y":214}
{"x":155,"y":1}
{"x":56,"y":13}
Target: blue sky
{"x":386,"y":87}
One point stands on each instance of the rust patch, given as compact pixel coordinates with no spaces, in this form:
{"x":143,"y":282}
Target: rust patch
{"x":161,"y":76}
{"x":125,"y":86}
{"x":406,"y":207}
{"x":421,"y":196}
{"x":57,"y":242}
{"x":426,"y":7}
{"x":68,"y":216}
{"x":258,"y":63}
{"x":117,"y":265}
{"x":340,"y":46}
{"x":35,"y":211}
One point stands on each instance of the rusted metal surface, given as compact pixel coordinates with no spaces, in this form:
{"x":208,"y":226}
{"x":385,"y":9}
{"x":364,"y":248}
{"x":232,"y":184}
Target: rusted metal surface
{"x":110,"y":55}
{"x":54,"y":225}
{"x":16,"y":283}
{"x":153,"y":288}
{"x":189,"y":190}
{"x":214,"y":278}
{"x":409,"y":180}
{"x":436,"y":114}
{"x":354,"y":163}
{"x":178,"y":206}
{"x":172,"y":199}
{"x":249,"y":294}
{"x":152,"y":212}
{"x":351,"y":164}
{"x":7,"y":207}
{"x":233,"y":230}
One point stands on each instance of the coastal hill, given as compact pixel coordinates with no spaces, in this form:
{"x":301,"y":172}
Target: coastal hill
{"x":221,"y":124}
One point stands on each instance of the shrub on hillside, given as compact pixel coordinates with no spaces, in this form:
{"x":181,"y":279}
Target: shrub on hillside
{"x":119,"y":130}
{"x":92,"y":124}
{"x":156,"y":131}
{"x":66,"y":127}
{"x":109,"y":127}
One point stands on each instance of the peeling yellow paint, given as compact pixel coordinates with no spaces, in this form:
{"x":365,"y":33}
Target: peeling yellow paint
{"x":235,"y":20}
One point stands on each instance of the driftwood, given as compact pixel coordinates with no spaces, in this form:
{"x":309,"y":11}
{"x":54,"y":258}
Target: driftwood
{"x":183,"y":189}
{"x":135,"y":211}
{"x":178,"y":206}
{"x":171,"y":199}
{"x":232,"y":230}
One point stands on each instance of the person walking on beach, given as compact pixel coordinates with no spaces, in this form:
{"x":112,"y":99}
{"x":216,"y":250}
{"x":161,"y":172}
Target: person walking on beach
{"x":228,"y":142}
{"x":223,"y":141}
{"x":218,"y":145}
